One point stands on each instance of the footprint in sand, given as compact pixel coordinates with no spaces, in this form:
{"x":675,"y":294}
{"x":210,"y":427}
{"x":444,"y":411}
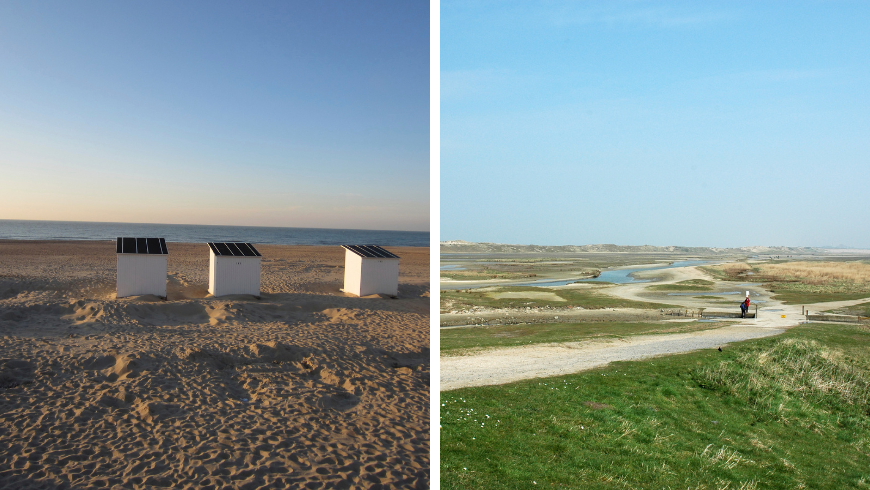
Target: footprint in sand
{"x":342,"y":401}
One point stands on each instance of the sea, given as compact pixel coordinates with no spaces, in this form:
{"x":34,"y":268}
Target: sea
{"x":83,"y":230}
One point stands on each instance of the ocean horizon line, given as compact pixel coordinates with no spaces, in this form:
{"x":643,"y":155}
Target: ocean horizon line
{"x":196,"y":224}
{"x":179,"y":233}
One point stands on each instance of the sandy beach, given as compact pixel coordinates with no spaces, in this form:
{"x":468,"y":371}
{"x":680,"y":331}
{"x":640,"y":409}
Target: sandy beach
{"x":305,"y":387}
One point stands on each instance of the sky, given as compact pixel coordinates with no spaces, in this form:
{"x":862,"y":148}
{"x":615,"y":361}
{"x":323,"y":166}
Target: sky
{"x":720,"y":124}
{"x":267,"y":113}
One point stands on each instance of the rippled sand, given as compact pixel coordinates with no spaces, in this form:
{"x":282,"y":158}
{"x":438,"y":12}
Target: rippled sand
{"x":306,"y":387}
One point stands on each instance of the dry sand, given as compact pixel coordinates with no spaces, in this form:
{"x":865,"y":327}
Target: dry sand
{"x":307,"y":387}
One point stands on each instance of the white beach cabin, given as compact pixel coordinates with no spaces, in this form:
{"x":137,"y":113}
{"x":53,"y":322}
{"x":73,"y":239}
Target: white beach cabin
{"x":369,"y":269}
{"x":141,"y":266}
{"x":234,"y":268}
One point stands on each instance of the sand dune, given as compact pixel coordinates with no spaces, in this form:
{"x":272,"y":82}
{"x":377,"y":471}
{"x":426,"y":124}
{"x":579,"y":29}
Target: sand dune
{"x":306,"y":387}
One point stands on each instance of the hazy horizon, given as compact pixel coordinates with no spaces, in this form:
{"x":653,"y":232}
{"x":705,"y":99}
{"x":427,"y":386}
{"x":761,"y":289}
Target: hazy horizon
{"x":833,"y":247}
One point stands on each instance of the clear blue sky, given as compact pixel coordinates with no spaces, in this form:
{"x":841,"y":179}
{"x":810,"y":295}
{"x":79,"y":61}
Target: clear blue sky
{"x":273,"y":113}
{"x":661,"y":123}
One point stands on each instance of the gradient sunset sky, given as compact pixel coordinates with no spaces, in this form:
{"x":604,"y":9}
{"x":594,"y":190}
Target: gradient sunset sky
{"x":270,"y":113}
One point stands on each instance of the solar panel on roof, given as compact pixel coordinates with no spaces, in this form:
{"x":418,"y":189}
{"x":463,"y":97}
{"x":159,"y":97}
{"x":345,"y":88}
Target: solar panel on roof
{"x":243,"y":249}
{"x":246,"y":251}
{"x":223,"y":249}
{"x":151,"y":246}
{"x":234,"y":249}
{"x":371,"y":251}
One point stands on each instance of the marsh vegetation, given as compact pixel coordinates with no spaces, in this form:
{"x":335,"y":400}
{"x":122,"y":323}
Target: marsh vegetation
{"x":802,"y":282}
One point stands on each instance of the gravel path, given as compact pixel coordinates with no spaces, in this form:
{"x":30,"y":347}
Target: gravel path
{"x":499,"y":366}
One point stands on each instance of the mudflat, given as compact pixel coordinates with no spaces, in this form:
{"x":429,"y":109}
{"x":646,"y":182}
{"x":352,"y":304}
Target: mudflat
{"x":304,"y":387}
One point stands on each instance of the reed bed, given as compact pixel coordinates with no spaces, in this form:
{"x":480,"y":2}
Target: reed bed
{"x":816,"y":273}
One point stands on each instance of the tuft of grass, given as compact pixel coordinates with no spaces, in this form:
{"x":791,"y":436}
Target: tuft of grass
{"x":792,"y":375}
{"x":781,"y":412}
{"x":456,"y":340}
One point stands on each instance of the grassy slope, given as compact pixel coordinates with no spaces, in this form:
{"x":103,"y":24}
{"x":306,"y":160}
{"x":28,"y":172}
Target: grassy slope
{"x":459,"y":339}
{"x":585,"y":298}
{"x":783,"y":412}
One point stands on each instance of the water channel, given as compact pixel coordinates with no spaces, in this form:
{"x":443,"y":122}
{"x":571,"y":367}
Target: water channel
{"x":614,"y":276}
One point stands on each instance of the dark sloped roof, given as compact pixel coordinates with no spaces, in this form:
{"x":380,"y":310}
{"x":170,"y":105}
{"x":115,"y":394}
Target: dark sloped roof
{"x":150,"y":246}
{"x":370,"y":251}
{"x":233,"y":249}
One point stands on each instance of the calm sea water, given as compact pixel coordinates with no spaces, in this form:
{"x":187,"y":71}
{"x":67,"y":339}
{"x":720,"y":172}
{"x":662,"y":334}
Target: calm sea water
{"x":81,"y":230}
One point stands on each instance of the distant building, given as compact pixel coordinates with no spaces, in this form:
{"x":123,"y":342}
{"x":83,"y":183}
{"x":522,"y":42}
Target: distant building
{"x":369,"y":269}
{"x":141,"y":266}
{"x":234,"y":268}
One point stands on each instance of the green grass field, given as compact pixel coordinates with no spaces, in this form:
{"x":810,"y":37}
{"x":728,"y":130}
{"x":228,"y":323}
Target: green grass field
{"x":455,"y":340}
{"x":791,"y":411}
{"x":590,"y":298}
{"x":796,"y":293}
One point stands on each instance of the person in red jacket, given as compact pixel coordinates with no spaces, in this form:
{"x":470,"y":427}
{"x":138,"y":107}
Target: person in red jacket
{"x":744,"y":306}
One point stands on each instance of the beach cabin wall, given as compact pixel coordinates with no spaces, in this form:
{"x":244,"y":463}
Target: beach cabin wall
{"x":141,"y":266}
{"x":369,"y":269}
{"x":234,"y":268}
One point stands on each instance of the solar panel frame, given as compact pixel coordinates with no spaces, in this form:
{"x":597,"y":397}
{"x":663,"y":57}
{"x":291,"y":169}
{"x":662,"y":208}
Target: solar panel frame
{"x":243,"y":247}
{"x":234,"y":249}
{"x":371,"y":251}
{"x":139,"y":245}
{"x":129,"y":245}
{"x":222,"y":248}
{"x":153,"y":246}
